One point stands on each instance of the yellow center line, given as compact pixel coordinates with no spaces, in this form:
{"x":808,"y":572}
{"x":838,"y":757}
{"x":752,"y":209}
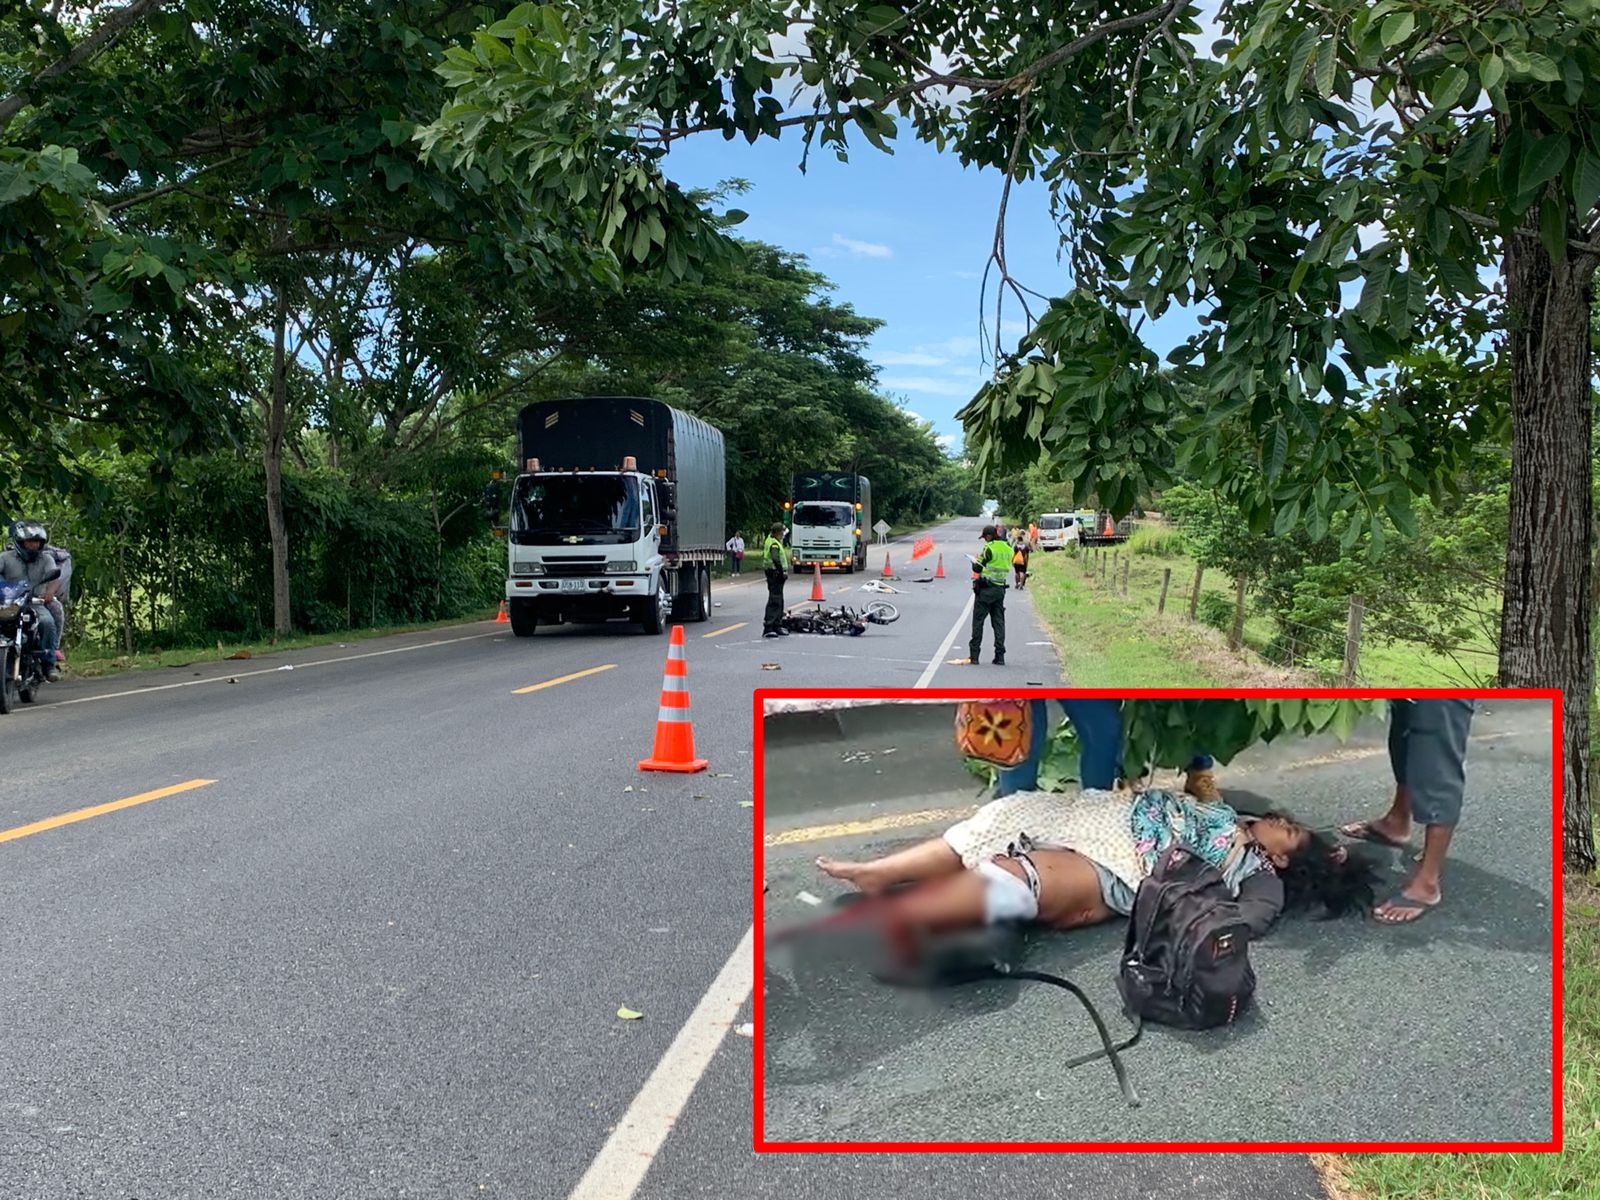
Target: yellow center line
{"x":548,"y":683}
{"x":725,"y":629}
{"x":83,"y":814}
{"x":817,"y":833}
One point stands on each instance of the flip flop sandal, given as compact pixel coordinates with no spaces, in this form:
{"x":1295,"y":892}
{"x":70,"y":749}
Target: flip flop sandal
{"x":1403,"y":901}
{"x":1366,"y":831}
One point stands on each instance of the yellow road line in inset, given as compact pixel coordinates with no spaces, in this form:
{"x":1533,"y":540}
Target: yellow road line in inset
{"x":548,"y":683}
{"x":725,"y":629}
{"x":83,"y":814}
{"x":817,"y":833}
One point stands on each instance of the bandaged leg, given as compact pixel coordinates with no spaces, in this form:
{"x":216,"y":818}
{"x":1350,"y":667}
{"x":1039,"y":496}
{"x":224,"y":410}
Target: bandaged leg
{"x":1006,"y":897}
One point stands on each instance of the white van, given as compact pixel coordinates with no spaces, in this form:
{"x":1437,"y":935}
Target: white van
{"x":1057,"y":531}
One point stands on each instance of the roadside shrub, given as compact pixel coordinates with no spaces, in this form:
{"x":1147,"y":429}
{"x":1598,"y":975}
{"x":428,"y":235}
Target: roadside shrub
{"x":1156,"y":541}
{"x":1216,"y":610}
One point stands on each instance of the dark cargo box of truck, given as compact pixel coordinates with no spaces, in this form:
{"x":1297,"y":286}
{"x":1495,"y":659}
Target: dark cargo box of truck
{"x":595,"y":433}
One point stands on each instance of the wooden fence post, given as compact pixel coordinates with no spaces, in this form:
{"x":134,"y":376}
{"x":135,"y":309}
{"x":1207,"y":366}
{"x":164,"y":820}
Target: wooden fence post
{"x":1127,"y":563}
{"x":1194,"y":597}
{"x":1352,"y":642}
{"x":1102,"y":568}
{"x":1236,"y":634}
{"x":1166,"y":578}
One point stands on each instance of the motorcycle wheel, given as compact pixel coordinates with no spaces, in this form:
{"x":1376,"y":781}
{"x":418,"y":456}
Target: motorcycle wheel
{"x":8,"y":685}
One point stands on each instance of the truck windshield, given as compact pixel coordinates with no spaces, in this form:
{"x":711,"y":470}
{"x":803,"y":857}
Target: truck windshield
{"x":1054,"y":521}
{"x":548,"y":510}
{"x":830,"y":516}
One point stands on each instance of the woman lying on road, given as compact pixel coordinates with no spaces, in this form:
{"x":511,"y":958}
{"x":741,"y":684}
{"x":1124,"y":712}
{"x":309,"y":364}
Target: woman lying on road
{"x":1073,"y":860}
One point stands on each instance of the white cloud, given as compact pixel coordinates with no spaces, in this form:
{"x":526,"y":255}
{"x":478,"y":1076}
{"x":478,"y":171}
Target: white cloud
{"x":947,"y":441}
{"x":909,"y":358}
{"x":930,"y":384}
{"x":862,"y":249}
{"x":966,"y":274}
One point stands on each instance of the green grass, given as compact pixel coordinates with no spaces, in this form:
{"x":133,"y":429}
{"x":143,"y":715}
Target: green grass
{"x":1517,"y":1176}
{"x":1108,"y":641}
{"x":90,"y":661}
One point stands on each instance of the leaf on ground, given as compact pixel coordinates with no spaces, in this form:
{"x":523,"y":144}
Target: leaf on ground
{"x":747,"y":804}
{"x":627,"y":1014}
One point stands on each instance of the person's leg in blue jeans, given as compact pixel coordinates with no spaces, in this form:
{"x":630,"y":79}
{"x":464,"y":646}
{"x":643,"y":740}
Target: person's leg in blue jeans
{"x":1098,"y":724}
{"x":1428,"y":754}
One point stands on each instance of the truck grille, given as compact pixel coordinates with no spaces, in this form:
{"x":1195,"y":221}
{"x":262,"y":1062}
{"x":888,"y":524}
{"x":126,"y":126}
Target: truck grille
{"x":589,"y":565}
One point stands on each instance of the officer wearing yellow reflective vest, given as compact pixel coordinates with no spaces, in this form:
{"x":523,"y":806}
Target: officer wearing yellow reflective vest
{"x":775,"y":561}
{"x":990,"y":570}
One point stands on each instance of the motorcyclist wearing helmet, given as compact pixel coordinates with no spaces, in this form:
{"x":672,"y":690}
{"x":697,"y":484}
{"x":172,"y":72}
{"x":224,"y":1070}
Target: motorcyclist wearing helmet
{"x":27,"y":560}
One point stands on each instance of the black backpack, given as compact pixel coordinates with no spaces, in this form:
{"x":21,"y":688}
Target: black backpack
{"x":1186,"y":960}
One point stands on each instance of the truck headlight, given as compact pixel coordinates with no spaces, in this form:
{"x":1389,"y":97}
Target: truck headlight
{"x":628,"y":567}
{"x":527,"y":568}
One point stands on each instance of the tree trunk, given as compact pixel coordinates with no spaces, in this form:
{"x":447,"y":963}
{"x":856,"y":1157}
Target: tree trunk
{"x":1547,"y":619}
{"x":272,"y":460}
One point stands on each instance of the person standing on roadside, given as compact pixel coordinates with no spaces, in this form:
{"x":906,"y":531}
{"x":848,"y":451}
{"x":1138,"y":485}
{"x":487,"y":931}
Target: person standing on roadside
{"x":1019,"y":560}
{"x":775,"y":561}
{"x":990,"y":571}
{"x":736,"y":554}
{"x":1428,"y":754}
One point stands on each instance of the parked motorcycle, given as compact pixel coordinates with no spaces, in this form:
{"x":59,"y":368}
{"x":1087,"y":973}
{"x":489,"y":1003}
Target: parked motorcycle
{"x":22,"y":661}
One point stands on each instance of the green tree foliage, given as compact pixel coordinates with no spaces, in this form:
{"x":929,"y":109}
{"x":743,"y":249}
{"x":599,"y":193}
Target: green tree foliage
{"x":758,"y":348}
{"x":1325,"y":190}
{"x":1167,"y":734}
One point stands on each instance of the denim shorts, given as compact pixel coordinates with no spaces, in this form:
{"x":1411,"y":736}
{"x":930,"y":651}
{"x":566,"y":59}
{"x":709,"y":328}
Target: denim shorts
{"x":1117,"y":894}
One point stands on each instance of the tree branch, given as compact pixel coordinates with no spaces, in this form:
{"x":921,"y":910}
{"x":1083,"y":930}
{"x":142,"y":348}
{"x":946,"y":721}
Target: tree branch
{"x":107,"y":35}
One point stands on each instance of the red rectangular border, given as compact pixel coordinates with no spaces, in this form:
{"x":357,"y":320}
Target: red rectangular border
{"x":761,"y":695}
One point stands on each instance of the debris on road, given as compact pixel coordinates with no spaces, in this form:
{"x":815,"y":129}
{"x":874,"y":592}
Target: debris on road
{"x":772,"y":666}
{"x":747,"y":804}
{"x":746,"y":1030}
{"x":627,"y":1014}
{"x":808,"y":898}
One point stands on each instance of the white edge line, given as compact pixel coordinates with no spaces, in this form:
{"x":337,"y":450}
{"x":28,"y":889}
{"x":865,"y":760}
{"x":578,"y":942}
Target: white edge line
{"x":321,"y":662}
{"x":944,"y":647}
{"x":619,"y":1168}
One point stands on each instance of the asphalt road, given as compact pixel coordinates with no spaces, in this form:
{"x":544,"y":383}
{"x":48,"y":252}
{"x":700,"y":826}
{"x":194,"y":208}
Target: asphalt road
{"x":377,"y":945}
{"x":1440,"y":1031}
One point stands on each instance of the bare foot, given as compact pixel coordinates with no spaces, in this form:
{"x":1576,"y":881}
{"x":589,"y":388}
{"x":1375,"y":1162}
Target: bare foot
{"x":860,"y":875}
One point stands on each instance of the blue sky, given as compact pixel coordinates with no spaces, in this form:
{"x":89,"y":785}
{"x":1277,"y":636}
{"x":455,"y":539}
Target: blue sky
{"x":905,"y":239}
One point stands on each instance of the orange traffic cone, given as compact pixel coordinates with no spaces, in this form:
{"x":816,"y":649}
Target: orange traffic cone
{"x":1110,"y":529}
{"x":674,"y":749}
{"x":502,"y":618}
{"x":938,"y":571}
{"x":816,"y":582}
{"x":887,"y":573}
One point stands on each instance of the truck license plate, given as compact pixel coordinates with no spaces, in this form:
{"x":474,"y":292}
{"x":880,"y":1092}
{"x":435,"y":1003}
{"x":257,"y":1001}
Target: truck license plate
{"x":574,"y":585}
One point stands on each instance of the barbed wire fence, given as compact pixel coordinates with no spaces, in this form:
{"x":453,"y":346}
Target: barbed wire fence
{"x":1332,"y":653}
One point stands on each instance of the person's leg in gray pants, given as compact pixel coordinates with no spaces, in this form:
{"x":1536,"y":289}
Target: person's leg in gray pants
{"x":1428,"y":753}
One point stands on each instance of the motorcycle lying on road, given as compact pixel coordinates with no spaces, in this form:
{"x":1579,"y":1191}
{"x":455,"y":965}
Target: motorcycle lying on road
{"x":22,"y":661}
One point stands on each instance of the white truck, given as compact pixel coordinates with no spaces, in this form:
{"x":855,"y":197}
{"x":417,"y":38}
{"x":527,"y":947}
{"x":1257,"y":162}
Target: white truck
{"x":618,"y":514}
{"x":830,"y":517}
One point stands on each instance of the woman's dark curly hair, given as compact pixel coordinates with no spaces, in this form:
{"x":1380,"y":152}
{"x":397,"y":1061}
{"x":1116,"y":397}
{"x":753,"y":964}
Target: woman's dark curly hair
{"x":1317,"y":875}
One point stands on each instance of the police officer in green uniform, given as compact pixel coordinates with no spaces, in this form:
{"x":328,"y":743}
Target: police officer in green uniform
{"x":989,"y":575}
{"x":775,"y":559}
